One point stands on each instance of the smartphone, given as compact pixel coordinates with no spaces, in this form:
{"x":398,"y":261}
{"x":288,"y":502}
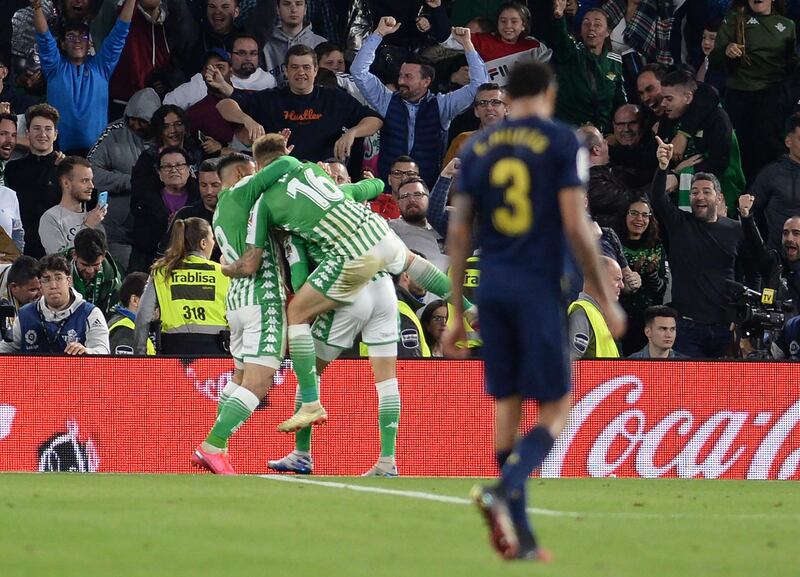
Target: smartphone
{"x":200,"y":136}
{"x":102,"y":198}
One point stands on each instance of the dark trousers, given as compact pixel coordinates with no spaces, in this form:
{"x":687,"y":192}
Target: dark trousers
{"x":760,"y":136}
{"x":702,"y":341}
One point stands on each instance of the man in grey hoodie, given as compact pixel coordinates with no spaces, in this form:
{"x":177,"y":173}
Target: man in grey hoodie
{"x":288,"y":32}
{"x":112,"y":158}
{"x":777,"y":189}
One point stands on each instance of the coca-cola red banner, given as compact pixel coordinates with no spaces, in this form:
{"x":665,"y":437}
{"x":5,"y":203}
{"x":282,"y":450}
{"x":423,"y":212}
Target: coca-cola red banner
{"x":635,"y":419}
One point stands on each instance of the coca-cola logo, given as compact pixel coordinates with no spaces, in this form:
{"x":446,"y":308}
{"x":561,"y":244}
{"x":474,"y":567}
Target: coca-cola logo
{"x":616,"y":429}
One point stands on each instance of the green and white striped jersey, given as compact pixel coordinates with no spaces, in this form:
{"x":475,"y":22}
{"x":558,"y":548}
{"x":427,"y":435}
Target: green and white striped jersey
{"x":306,"y":202}
{"x":235,"y":227}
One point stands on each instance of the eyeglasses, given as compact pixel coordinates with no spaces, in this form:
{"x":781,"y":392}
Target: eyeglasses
{"x":57,"y":279}
{"x":416,"y":195}
{"x":493,"y":102}
{"x":173,"y":167}
{"x":406,"y":173}
{"x":636,"y":213}
{"x":176,"y":124}
{"x":245,"y":53}
{"x":76,"y":37}
{"x":439,"y":318}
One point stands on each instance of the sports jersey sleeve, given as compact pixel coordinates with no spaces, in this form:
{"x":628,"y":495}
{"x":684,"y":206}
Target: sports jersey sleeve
{"x":258,"y":224}
{"x":296,"y":253}
{"x":574,"y":170}
{"x":271,"y":173}
{"x":363,"y":190}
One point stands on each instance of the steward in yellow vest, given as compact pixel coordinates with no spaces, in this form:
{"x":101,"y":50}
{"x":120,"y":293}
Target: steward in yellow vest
{"x":121,"y":325}
{"x":589,"y":337}
{"x":189,"y":290}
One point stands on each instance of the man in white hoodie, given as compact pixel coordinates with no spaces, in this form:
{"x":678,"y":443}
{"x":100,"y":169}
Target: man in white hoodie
{"x":59,"y":322}
{"x":289,"y":31}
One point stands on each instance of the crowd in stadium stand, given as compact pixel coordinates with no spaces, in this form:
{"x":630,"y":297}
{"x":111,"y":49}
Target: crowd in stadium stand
{"x":113,"y":114}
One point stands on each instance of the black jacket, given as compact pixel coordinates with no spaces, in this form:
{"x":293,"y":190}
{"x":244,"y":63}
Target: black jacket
{"x":772,"y":265}
{"x":150,"y":215}
{"x":33,"y":178}
{"x":609,"y":194}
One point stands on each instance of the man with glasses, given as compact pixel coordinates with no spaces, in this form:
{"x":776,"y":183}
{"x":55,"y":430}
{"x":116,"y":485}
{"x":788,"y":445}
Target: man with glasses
{"x":489,"y":108}
{"x":61,"y":321}
{"x":413,"y":227}
{"x":632,"y":146}
{"x":77,"y":84}
{"x":245,"y":74}
{"x":385,"y":204}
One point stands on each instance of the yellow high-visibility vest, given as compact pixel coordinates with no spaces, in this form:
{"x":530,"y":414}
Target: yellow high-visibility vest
{"x":605,"y":347}
{"x":193,"y":301}
{"x":126,"y":322}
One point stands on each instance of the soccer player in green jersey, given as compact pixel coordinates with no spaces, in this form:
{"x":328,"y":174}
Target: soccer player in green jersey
{"x":300,"y":198}
{"x":374,"y":315}
{"x":255,"y":306}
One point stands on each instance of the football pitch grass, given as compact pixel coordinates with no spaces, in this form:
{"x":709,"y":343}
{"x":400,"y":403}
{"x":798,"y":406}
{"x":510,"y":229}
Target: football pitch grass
{"x":196,"y":525}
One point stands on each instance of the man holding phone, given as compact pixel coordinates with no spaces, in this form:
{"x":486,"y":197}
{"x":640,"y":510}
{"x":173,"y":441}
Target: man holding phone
{"x":59,"y":225}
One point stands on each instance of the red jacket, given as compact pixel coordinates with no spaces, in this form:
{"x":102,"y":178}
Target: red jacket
{"x":146,"y":51}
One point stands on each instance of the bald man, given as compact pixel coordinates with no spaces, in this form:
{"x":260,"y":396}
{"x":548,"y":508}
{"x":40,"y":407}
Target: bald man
{"x":589,"y":336}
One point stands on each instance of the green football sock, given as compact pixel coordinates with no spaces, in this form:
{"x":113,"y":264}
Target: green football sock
{"x":425,"y":274}
{"x":388,"y":414}
{"x":302,"y":438}
{"x":225,"y":394}
{"x":236,"y":410}
{"x":304,"y":361}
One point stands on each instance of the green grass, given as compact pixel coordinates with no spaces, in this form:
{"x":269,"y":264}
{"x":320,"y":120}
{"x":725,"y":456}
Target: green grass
{"x":118,"y":525}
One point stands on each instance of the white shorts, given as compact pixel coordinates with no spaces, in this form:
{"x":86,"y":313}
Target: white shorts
{"x":373,"y":314}
{"x":341,"y":279}
{"x":258,"y":335}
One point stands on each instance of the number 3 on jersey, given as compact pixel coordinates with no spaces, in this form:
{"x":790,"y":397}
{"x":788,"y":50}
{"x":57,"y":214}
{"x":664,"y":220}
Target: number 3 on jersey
{"x":515,"y":217}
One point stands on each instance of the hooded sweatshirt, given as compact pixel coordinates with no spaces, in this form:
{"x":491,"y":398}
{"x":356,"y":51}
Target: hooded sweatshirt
{"x":113,"y":158}
{"x":146,"y":51}
{"x":777,"y":192}
{"x":278,"y":45}
{"x":96,"y":341}
{"x":80,"y":93}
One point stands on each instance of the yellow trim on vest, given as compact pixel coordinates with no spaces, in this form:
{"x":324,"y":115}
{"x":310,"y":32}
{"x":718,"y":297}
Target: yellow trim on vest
{"x":128,"y":323}
{"x":473,"y":337}
{"x":194,"y":300}
{"x":605,"y":347}
{"x":407,"y":311}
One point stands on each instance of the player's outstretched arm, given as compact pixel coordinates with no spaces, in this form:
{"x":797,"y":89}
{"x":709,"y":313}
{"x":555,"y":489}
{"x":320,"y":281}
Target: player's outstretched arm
{"x":459,"y":248}
{"x":363,"y":190}
{"x":245,"y":265}
{"x":584,"y":244}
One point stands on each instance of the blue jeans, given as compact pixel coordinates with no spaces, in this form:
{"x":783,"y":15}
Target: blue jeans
{"x":702,"y":341}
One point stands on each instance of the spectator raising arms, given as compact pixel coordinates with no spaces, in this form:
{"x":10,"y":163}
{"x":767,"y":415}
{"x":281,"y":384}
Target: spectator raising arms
{"x":591,"y":86}
{"x":509,"y":44}
{"x":77,"y":84}
{"x":420,"y":134}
